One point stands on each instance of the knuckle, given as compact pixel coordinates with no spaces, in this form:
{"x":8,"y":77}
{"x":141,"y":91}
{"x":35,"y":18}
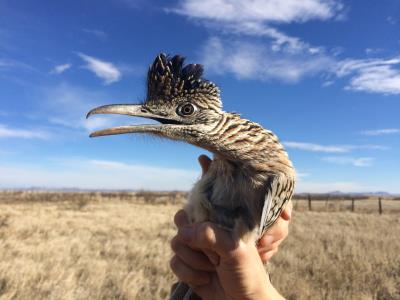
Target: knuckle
{"x":264,"y":257}
{"x":179,"y":217}
{"x":206,"y":233}
{"x":174,"y":264}
{"x":240,"y":253}
{"x":175,"y":244}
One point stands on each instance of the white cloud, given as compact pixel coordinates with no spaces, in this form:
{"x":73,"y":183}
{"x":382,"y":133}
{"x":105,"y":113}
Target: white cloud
{"x":385,"y":131}
{"x":61,"y":68}
{"x":326,"y":187}
{"x":102,"y":69}
{"x":354,"y":161}
{"x":247,"y":60}
{"x":260,"y":17}
{"x":108,"y":175}
{"x":98,"y":122}
{"x":101,"y":35}
{"x":7,"y":132}
{"x":268,"y":11}
{"x":330,"y":148}
{"x":67,"y":106}
{"x":373,"y":51}
{"x":391,"y":20}
{"x":372,"y":75}
{"x":300,"y":175}
{"x":296,"y":60}
{"x":88,"y":124}
{"x":6,"y":64}
{"x":281,"y":56}
{"x":316,"y":147}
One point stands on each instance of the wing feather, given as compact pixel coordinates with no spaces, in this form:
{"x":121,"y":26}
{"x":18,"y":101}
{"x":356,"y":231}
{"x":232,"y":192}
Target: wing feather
{"x":279,"y":192}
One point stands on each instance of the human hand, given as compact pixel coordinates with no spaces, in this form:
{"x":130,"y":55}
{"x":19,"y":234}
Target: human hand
{"x":216,"y":265}
{"x":269,"y":243}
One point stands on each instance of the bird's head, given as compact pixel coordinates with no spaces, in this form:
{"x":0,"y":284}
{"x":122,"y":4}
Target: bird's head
{"x":185,"y":104}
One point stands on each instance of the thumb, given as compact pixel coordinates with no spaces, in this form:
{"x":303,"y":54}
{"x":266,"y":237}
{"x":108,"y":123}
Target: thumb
{"x":287,"y":212}
{"x":208,"y":236}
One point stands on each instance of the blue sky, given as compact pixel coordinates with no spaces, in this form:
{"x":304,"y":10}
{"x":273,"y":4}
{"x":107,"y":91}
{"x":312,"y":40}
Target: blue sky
{"x":324,"y":75}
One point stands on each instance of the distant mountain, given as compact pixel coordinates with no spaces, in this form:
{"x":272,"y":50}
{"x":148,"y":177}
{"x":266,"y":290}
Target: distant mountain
{"x":332,"y":193}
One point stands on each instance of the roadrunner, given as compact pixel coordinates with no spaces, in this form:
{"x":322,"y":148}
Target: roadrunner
{"x":251,"y":177}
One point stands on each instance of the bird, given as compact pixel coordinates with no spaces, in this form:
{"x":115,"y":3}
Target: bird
{"x":251,"y":177}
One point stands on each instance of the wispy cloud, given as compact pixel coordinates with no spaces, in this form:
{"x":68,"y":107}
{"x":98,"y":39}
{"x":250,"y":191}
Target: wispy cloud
{"x":316,"y":147}
{"x":259,"y":10}
{"x":102,"y":69}
{"x":279,"y":55}
{"x":372,"y":75}
{"x":330,"y":148}
{"x":89,"y":125}
{"x":7,"y":132}
{"x":392,"y":20}
{"x":326,"y":187}
{"x":260,"y":17}
{"x":61,"y":68}
{"x":385,"y":131}
{"x":354,"y":161}
{"x":106,"y":122}
{"x":8,"y":63}
{"x":247,"y":60}
{"x":101,"y":35}
{"x":255,"y":60}
{"x":300,"y":175}
{"x":109,"y":175}
{"x":68,"y":104}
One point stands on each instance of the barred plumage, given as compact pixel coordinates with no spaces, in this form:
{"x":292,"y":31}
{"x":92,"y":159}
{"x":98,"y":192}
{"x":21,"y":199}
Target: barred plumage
{"x":251,"y":177}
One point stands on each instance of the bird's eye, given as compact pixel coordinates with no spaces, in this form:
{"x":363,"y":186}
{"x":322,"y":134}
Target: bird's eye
{"x":186,"y":109}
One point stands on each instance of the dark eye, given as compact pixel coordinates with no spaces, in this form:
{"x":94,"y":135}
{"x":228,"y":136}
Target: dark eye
{"x":186,"y":109}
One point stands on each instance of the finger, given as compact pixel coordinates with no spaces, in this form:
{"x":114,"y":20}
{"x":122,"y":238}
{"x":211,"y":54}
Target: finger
{"x":266,"y":256}
{"x":181,"y":218}
{"x":279,"y":231}
{"x":195,"y":259}
{"x":208,"y":236}
{"x":269,"y":248}
{"x":205,"y":163}
{"x":188,"y":275}
{"x":287,"y":212}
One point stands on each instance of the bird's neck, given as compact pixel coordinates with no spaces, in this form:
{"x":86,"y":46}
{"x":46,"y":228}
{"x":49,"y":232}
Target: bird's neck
{"x":248,"y":145}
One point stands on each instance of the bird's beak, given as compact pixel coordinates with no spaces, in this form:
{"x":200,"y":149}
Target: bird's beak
{"x":130,"y":110}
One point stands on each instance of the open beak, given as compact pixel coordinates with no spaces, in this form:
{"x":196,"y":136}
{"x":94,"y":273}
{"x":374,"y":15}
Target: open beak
{"x":135,"y":110}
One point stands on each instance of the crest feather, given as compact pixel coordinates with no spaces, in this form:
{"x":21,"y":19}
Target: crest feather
{"x":168,"y":78}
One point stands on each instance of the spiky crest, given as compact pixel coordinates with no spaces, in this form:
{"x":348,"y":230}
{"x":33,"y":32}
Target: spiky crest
{"x":169,"y":78}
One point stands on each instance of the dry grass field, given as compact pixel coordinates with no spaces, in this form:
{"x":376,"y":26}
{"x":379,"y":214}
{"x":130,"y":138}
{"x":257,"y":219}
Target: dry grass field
{"x":116,"y":246}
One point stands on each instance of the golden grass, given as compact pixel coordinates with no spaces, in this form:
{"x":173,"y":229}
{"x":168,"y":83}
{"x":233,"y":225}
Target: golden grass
{"x":97,"y":246}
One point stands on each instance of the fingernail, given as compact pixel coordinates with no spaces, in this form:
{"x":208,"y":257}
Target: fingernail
{"x":186,"y":233}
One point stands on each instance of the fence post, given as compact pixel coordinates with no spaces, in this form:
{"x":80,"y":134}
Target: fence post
{"x":380,"y":205}
{"x":352,"y":204}
{"x":309,"y":202}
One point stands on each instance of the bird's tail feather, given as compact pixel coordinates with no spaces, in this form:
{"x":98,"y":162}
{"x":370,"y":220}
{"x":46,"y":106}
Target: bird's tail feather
{"x":183,"y":292}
